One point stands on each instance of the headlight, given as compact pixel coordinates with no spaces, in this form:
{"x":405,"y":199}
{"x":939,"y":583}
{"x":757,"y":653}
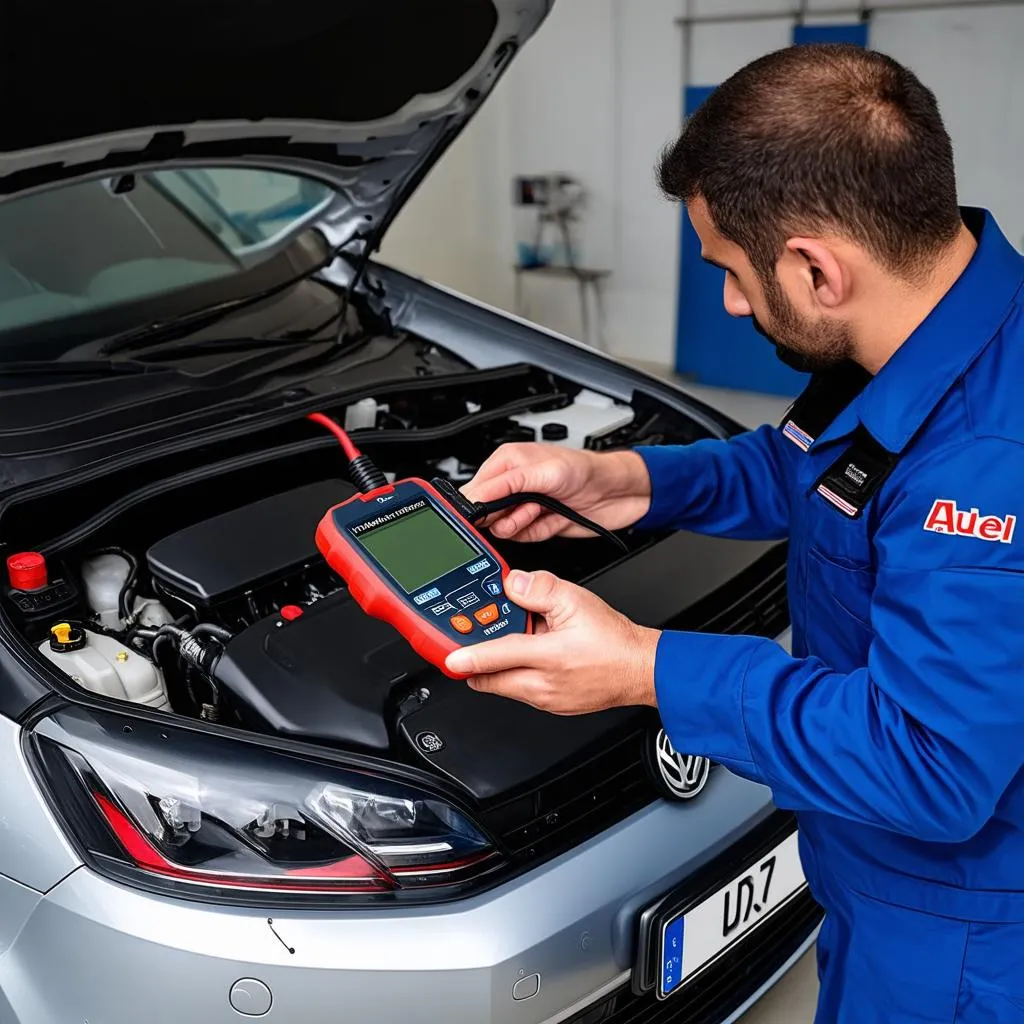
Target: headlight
{"x":192,"y":809}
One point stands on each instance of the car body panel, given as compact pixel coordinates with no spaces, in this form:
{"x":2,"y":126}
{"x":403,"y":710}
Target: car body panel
{"x":33,"y":850}
{"x":366,"y":96}
{"x":91,"y":949}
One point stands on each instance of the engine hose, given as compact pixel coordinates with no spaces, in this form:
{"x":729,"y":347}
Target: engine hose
{"x":219,"y":632}
{"x":128,"y":586}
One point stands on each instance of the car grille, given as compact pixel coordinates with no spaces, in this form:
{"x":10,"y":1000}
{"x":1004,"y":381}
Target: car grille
{"x":717,"y":993}
{"x":611,"y":784}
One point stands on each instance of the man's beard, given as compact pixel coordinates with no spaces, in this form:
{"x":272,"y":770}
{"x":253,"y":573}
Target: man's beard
{"x":806,"y":345}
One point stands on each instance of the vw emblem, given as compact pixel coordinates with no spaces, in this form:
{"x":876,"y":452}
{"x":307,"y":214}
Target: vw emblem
{"x":678,"y":776}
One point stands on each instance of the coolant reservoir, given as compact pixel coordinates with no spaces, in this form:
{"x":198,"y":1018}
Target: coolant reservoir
{"x":102,"y":664}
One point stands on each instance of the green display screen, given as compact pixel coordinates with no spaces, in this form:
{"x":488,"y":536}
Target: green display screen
{"x":417,"y":548}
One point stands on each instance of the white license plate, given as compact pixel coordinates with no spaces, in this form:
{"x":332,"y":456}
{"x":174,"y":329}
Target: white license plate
{"x":696,"y":938}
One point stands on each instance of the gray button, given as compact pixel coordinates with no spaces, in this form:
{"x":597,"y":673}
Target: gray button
{"x":251,"y":998}
{"x":526,"y":988}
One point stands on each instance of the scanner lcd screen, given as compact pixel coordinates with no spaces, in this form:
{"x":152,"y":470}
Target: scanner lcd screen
{"x":417,"y":548}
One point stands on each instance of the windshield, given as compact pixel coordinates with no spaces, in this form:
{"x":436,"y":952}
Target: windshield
{"x":97,"y":245}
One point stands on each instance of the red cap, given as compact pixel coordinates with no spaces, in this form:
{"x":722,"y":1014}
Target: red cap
{"x":290,"y":612}
{"x":27,"y":570}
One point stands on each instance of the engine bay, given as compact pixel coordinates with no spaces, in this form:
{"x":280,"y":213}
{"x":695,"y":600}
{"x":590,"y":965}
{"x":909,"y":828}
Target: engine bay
{"x":195,"y":586}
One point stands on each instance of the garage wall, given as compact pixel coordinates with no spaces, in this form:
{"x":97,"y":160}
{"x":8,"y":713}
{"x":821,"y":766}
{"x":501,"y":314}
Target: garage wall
{"x":598,"y":93}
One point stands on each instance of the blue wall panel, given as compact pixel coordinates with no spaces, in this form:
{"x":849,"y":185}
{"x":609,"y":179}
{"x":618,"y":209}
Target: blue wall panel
{"x":711,"y":346}
{"x":856,"y":34}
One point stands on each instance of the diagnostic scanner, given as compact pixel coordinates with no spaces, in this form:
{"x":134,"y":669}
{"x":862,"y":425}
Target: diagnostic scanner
{"x":410,"y":558}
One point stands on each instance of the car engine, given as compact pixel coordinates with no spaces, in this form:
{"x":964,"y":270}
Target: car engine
{"x":201,"y":592}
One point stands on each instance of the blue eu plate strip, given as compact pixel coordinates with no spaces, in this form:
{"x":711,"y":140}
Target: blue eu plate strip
{"x":672,"y":957}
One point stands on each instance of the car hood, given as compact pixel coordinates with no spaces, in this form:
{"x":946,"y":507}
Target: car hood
{"x":363,"y":93}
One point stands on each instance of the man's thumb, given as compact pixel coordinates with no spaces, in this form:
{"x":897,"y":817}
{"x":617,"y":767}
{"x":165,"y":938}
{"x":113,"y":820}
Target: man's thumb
{"x":541,"y":592}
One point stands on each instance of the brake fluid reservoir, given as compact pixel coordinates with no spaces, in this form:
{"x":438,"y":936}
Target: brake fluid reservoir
{"x":103,"y":665}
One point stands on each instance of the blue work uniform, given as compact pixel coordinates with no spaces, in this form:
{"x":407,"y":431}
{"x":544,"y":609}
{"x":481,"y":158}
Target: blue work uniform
{"x":895,"y":729}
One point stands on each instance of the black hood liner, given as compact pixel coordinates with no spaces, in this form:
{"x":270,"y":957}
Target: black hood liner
{"x":74,"y":70}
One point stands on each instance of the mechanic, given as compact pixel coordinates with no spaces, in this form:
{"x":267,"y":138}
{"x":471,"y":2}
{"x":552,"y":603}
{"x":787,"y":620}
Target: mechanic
{"x":821,"y":180}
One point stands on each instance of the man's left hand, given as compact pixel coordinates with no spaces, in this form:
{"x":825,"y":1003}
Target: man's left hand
{"x":583,"y":656}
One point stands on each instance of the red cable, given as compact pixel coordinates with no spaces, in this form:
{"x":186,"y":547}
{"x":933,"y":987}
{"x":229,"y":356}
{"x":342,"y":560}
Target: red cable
{"x":351,"y":451}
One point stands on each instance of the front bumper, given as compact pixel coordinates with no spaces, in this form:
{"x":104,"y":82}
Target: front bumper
{"x":91,"y":950}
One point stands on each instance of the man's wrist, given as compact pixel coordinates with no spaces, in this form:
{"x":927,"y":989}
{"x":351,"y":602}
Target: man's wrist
{"x":626,"y":475}
{"x":645,"y":648}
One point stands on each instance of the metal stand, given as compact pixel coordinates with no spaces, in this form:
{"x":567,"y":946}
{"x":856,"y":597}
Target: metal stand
{"x":589,"y":281}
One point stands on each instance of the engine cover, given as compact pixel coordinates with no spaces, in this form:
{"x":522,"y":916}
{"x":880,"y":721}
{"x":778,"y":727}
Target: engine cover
{"x":327,"y":675}
{"x":336,"y":676}
{"x":260,"y":543}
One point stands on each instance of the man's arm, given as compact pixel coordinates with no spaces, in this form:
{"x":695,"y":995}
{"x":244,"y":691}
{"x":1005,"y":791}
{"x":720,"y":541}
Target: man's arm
{"x":923,"y":740}
{"x":735,"y":488}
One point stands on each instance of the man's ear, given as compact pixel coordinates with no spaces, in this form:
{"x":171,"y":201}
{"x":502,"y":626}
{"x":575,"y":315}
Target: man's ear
{"x":815,"y":262}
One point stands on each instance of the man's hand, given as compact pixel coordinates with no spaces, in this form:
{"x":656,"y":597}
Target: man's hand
{"x":612,"y":488}
{"x":583,"y":656}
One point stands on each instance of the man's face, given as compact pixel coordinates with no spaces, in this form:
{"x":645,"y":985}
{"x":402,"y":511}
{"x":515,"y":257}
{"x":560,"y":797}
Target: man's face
{"x":803,"y":337}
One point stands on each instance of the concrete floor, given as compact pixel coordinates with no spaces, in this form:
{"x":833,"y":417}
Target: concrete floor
{"x":793,"y":999}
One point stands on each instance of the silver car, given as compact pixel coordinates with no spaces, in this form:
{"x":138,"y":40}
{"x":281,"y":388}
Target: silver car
{"x":227,"y":792}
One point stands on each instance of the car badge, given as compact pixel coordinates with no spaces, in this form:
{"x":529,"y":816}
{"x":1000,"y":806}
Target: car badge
{"x":677,"y":776}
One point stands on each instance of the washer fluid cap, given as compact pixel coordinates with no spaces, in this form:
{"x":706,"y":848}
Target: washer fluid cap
{"x":65,"y":637}
{"x":27,"y":570}
{"x":554,"y":432}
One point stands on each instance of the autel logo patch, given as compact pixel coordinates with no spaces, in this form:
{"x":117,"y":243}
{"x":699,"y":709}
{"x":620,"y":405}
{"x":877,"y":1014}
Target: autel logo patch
{"x":945,"y":517}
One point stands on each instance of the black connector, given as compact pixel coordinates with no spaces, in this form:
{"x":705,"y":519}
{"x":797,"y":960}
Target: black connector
{"x":469,"y":510}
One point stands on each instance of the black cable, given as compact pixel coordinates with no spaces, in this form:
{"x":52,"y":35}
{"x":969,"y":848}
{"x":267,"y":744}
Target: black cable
{"x":482,"y":509}
{"x":474,"y":511}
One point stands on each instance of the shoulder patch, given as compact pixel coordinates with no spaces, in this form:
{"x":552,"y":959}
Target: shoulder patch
{"x":946,"y":518}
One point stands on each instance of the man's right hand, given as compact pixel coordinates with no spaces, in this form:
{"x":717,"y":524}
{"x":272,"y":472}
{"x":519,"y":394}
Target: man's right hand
{"x":612,"y":488}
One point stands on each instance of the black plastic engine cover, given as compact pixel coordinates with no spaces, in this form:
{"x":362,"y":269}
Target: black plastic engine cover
{"x":337,"y":676}
{"x":247,"y":547}
{"x":327,"y":675}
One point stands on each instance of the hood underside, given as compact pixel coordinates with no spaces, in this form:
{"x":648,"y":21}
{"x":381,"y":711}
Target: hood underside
{"x":364,"y":93}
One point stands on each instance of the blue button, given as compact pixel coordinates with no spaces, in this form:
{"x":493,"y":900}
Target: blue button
{"x":493,"y":587}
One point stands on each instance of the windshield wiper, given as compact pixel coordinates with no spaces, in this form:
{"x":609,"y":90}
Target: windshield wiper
{"x":78,"y":368}
{"x":166,"y":352}
{"x":136,"y":338}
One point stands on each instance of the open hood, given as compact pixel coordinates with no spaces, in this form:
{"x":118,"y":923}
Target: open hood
{"x":363,"y":93}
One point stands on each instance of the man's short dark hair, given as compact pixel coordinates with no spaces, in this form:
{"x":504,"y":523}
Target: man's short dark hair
{"x":819,"y":139}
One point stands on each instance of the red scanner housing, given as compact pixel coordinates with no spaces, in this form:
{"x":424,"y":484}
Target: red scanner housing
{"x":383,"y":542}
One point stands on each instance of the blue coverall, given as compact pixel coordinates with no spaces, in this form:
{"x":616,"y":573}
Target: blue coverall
{"x":895,"y":730}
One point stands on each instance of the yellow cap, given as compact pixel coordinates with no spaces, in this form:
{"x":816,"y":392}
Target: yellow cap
{"x":62,"y":632}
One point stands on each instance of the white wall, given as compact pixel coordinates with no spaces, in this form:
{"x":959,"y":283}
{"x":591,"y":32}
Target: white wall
{"x":597,"y":94}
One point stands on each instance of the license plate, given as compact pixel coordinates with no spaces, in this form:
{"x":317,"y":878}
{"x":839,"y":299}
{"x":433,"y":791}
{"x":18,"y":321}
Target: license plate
{"x":694,"y":939}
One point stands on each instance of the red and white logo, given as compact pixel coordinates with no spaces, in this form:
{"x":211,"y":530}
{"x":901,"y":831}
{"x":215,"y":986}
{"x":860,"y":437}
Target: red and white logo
{"x":945,"y":517}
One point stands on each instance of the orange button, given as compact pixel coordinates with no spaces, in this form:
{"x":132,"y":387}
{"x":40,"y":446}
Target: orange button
{"x":486,"y":614}
{"x":462,"y":623}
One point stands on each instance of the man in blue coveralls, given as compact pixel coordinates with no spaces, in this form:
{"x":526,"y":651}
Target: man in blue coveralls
{"x":821,"y":180}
